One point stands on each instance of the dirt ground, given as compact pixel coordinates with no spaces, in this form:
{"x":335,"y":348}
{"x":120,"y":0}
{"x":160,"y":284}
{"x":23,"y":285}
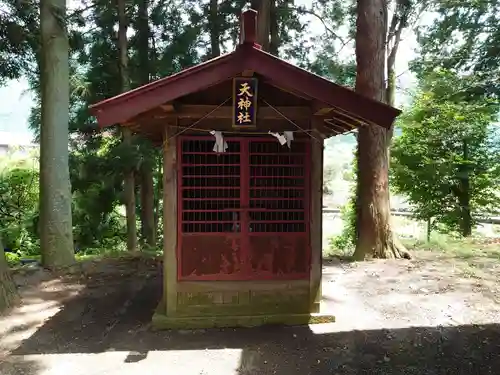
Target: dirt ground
{"x":432,"y":315}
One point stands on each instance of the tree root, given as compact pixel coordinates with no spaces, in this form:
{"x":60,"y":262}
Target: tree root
{"x":395,"y":249}
{"x":392,"y":248}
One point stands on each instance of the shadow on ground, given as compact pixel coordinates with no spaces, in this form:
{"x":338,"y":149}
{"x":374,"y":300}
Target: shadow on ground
{"x":115,"y":318}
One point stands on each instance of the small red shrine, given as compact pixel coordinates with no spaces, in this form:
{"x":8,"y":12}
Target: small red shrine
{"x":242,"y":136}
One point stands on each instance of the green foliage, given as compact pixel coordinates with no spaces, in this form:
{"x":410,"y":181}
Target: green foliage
{"x":97,"y":190}
{"x":346,"y":241}
{"x":463,"y":37}
{"x":338,"y":20}
{"x":19,"y":206}
{"x":429,"y":164}
{"x":18,"y":38}
{"x":13,"y":259}
{"x":107,"y":246}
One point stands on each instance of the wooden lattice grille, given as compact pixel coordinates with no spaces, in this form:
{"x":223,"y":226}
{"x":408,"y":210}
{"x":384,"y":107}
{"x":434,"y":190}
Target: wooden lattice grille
{"x":243,"y":213}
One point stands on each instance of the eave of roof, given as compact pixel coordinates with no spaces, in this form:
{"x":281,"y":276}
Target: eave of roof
{"x":125,"y":106}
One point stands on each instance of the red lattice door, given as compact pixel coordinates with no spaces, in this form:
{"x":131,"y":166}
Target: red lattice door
{"x":243,"y":214}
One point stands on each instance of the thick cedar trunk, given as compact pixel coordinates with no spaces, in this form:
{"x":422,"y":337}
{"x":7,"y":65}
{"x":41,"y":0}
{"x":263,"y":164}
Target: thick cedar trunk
{"x":148,"y":228}
{"x":263,"y":7}
{"x":214,"y":29}
{"x":375,"y":238}
{"x":129,"y":188}
{"x":8,"y":291}
{"x":464,"y":195}
{"x":56,"y":236}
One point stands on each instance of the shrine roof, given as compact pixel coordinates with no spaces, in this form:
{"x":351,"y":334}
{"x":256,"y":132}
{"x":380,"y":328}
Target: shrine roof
{"x":248,"y":56}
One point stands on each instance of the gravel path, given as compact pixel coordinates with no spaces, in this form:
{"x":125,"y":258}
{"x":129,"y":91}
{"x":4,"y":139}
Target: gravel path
{"x":394,"y":317}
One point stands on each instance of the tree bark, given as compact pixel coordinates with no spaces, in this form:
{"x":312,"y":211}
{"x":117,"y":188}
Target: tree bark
{"x":375,"y":238}
{"x":8,"y":291}
{"x":147,"y":204}
{"x":214,"y":28}
{"x":274,"y":30}
{"x":148,"y":227}
{"x":56,"y":237}
{"x":398,"y":22}
{"x":143,"y":32}
{"x":129,"y":190}
{"x":464,"y":194}
{"x":263,"y":7}
{"x":159,"y":189}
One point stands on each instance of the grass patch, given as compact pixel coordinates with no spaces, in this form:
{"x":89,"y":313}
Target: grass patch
{"x":472,"y":254}
{"x":16,"y":260}
{"x":463,"y":248}
{"x":116,"y":253}
{"x":334,"y":251}
{"x":475,"y":251}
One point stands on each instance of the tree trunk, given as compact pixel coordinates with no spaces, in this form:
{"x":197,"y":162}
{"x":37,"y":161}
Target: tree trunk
{"x":159,"y":189}
{"x":263,"y":7}
{"x":274,"y":29}
{"x":148,"y":228}
{"x":129,"y":191}
{"x":147,"y":204}
{"x":143,"y":33}
{"x":375,"y":237}
{"x":214,"y":28}
{"x":464,"y":195}
{"x":56,"y":236}
{"x":390,"y":99}
{"x":398,"y":22}
{"x":8,"y":291}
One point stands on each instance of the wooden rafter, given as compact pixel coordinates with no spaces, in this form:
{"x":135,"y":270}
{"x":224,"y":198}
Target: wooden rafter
{"x":225,"y":112}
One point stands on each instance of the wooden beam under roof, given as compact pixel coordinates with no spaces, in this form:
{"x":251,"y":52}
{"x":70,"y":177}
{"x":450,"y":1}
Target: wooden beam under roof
{"x":323,"y":111}
{"x":168,"y":107}
{"x":210,"y":111}
{"x":339,"y":128}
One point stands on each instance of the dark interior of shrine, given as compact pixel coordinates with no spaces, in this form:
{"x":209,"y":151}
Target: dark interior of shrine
{"x":212,"y":186}
{"x":243,"y":212}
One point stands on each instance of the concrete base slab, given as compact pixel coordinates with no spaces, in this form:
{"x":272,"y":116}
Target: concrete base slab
{"x":162,"y":321}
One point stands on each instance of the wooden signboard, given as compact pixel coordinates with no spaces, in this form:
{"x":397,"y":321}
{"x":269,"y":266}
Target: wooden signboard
{"x":244,"y":102}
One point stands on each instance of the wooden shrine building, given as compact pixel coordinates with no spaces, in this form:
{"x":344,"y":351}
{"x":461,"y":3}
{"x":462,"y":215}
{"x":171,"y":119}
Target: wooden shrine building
{"x":242,"y":136}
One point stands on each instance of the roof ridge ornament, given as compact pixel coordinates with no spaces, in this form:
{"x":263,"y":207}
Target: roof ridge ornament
{"x":248,"y":28}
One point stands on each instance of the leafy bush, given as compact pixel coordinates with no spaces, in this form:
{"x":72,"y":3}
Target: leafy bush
{"x":446,"y":162}
{"x":13,"y":259}
{"x":19,"y":207}
{"x":96,"y":190}
{"x":346,"y":241}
